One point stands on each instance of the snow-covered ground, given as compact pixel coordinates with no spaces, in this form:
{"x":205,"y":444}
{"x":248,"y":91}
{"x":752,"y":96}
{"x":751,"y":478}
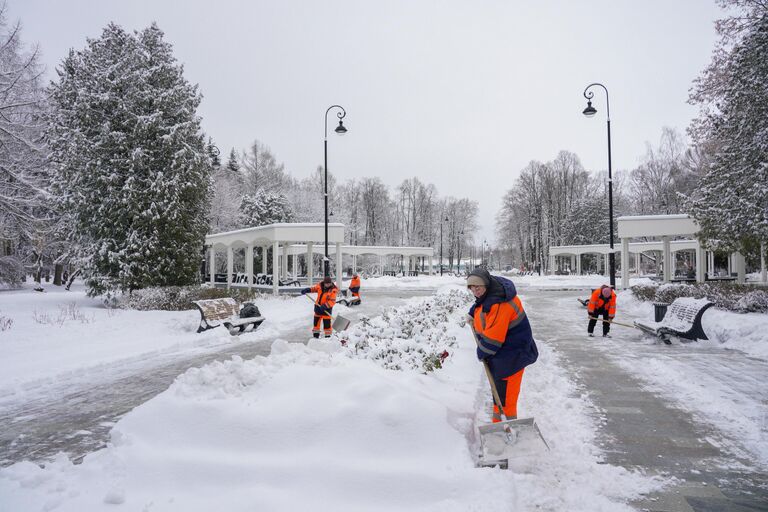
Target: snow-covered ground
{"x":710,"y":378}
{"x":58,"y":333}
{"x":325,"y":427}
{"x":335,"y":429}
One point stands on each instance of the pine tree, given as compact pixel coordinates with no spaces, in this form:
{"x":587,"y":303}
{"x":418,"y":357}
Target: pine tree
{"x":213,"y":154}
{"x":264,"y":208}
{"x":232,"y":163}
{"x":731,"y":204}
{"x":131,"y":164}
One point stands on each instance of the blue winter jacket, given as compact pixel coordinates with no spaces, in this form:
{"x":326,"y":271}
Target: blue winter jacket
{"x":519,"y":349}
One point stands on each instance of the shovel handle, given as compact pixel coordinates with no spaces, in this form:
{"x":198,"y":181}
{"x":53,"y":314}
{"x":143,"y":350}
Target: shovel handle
{"x":494,"y":391}
{"x":612,"y":322}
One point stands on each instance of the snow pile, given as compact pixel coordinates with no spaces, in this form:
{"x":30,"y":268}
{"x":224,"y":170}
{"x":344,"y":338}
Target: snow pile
{"x":310,"y":426}
{"x":414,"y":336}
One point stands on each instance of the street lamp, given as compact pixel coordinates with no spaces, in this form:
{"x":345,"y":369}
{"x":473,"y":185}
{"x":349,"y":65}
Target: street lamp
{"x":441,"y":244}
{"x":341,"y":130}
{"x":589,"y":112}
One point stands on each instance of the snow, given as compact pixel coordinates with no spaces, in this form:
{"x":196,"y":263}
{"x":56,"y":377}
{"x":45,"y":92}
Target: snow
{"x":320,"y":426}
{"x":59,"y":333}
{"x":334,"y":428}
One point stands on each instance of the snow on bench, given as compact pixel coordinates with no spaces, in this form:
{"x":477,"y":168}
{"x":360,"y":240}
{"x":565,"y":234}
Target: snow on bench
{"x":228,"y":311}
{"x":682,"y":319}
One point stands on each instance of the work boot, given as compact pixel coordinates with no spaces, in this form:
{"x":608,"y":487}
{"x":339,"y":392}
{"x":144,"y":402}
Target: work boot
{"x":606,"y":335}
{"x":590,"y":335}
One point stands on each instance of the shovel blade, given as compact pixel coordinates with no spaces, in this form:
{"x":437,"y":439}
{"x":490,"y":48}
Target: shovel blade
{"x":340,"y":323}
{"x":510,"y":439}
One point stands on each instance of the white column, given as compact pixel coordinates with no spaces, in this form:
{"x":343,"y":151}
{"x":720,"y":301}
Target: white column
{"x":264,"y":250}
{"x":338,"y":265}
{"x":310,"y":263}
{"x":701,"y":263}
{"x":230,"y":266}
{"x":249,"y":265}
{"x":431,"y":268}
{"x":551,"y":264}
{"x":667,"y":259}
{"x":741,"y":270}
{"x":730,"y":264}
{"x":625,"y":262}
{"x":293,"y":265}
{"x":381,"y":265}
{"x":275,"y":267}
{"x":284,"y":269}
{"x":212,"y":264}
{"x":763,"y":274}
{"x":578,"y":264}
{"x":573,"y":263}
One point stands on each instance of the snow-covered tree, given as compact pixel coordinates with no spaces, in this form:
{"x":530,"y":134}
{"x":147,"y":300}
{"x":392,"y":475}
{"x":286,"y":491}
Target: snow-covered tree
{"x":232,"y":164}
{"x":131,"y":168}
{"x":24,"y":199}
{"x":731,"y":203}
{"x":264,"y":208}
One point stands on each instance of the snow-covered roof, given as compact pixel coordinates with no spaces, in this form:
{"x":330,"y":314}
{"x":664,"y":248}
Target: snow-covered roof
{"x":264,"y":235}
{"x":656,"y":225}
{"x":634,"y":247}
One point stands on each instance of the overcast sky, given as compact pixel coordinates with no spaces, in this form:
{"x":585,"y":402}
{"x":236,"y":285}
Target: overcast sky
{"x":462,"y":94}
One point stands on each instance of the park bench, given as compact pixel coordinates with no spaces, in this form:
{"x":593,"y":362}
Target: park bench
{"x":681,"y":319}
{"x":215,"y":312}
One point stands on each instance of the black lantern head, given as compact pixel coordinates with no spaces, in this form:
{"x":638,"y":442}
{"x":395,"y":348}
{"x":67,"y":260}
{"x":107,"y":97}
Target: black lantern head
{"x":340,"y":129}
{"x":590,"y":110}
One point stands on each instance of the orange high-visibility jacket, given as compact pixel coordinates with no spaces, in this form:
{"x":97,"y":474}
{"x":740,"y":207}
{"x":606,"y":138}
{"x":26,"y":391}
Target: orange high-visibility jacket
{"x":598,"y":302}
{"x":325,"y":299}
{"x":503,"y":332}
{"x":354,"y":285}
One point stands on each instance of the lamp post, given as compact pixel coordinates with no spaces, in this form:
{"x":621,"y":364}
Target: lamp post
{"x":458,"y":252}
{"x":441,"y":244}
{"x":341,"y":130}
{"x":589,"y":112}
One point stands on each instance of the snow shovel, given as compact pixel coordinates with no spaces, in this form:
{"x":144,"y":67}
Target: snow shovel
{"x":613,"y":322}
{"x":338,"y":323}
{"x":508,"y":438}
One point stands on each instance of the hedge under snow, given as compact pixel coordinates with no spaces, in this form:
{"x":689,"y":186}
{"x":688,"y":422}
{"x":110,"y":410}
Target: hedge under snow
{"x":410,"y":337}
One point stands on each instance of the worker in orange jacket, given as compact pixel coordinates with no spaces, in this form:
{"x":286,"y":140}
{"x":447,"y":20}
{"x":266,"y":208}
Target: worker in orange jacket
{"x":602,"y":302}
{"x":354,"y":287}
{"x":504,"y":337}
{"x":326,"y":299}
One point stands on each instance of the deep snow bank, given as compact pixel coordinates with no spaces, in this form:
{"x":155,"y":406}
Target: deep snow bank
{"x":328,"y":428}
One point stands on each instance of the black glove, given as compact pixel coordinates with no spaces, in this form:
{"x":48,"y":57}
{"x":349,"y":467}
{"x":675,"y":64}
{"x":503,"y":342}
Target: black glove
{"x":305,"y":291}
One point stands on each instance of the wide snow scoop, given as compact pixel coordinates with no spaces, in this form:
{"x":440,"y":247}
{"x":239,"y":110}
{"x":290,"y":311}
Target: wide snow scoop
{"x":508,"y":438}
{"x":338,"y":323}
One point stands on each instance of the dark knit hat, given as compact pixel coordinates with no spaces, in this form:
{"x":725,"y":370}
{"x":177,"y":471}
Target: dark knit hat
{"x":479,"y":277}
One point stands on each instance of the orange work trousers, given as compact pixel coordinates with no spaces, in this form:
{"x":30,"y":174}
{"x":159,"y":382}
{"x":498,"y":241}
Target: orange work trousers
{"x":509,"y":390}
{"x":322,"y":324}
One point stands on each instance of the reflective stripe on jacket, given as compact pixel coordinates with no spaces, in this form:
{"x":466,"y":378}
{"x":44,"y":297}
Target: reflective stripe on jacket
{"x":503,"y":331}
{"x":598,"y":302}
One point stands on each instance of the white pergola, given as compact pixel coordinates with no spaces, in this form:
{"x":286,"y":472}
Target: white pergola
{"x":294,"y":240}
{"x":663,"y":227}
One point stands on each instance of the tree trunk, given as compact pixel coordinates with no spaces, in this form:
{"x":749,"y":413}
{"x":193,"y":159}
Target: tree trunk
{"x":58,"y":270}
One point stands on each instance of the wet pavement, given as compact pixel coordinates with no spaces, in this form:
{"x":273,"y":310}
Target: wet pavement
{"x":640,"y":429}
{"x":76,"y":417}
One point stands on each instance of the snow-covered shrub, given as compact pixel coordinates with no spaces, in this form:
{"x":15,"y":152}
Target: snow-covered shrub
{"x":410,"y":337}
{"x":179,"y":298}
{"x":11,"y":272}
{"x":5,"y":323}
{"x":740,"y":298}
{"x":67,"y":312}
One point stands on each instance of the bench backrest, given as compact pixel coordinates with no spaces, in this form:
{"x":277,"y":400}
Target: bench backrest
{"x":684,"y":314}
{"x":218,"y":309}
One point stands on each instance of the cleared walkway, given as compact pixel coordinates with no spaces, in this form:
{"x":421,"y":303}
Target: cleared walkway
{"x":641,"y":429}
